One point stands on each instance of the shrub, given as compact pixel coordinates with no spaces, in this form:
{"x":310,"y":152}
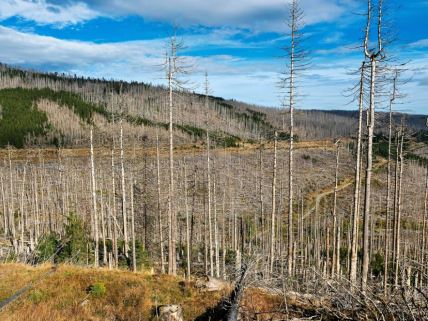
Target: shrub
{"x":75,"y":241}
{"x":37,"y":296}
{"x":230,"y":256}
{"x":377,"y":264}
{"x":97,"y":290}
{"x":47,"y":247}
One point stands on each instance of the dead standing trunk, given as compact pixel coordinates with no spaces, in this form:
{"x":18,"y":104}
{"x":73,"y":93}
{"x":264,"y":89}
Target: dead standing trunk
{"x":94,"y":202}
{"x":273,"y":214}
{"x":160,"y":227}
{"x":374,"y":57}
{"x":335,"y":268}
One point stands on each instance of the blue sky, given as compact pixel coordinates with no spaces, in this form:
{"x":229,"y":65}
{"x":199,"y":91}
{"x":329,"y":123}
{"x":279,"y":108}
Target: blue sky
{"x":236,"y":41}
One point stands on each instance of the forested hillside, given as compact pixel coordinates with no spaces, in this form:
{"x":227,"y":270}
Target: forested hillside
{"x":44,"y":109}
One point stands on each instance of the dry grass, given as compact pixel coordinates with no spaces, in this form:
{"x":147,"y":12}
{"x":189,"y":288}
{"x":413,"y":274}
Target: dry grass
{"x":16,"y":276}
{"x":64,"y":295}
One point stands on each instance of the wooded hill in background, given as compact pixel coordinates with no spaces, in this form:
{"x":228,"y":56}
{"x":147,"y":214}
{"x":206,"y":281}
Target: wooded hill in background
{"x":50,"y":109}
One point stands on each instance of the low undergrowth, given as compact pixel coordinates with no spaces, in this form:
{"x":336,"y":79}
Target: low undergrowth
{"x":76,"y":293}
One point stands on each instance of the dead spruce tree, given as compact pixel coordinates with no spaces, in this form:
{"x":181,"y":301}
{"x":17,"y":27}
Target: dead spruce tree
{"x":122,"y":176}
{"x":357,"y":183}
{"x":94,"y":201}
{"x":175,"y":67}
{"x":397,"y":210}
{"x":374,"y":56}
{"x":295,"y":56}
{"x":335,"y":267}
{"x":209,"y":196}
{"x":392,"y":100}
{"x":134,"y":257}
{"x":159,"y":210}
{"x":188,"y":245}
{"x":273,"y":214}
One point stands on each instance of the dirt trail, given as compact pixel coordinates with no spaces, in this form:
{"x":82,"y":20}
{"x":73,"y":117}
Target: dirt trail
{"x":317,"y":197}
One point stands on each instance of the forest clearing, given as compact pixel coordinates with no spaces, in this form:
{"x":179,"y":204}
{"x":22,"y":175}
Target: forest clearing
{"x":162,"y":201}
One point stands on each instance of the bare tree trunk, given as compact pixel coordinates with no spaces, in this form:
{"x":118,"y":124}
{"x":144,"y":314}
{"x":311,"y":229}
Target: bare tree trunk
{"x":261,"y":201}
{"x":223,"y":236}
{"x":94,"y":202}
{"x":113,"y":211}
{"x":272,"y":231}
{"x":158,"y":203}
{"x":5,"y":214}
{"x":356,"y":201}
{"x":21,"y":210}
{"x":336,"y":246}
{"x":369,"y":166}
{"x":388,"y":195}
{"x":216,"y":245}
{"x":14,"y":241}
{"x":122,"y":176}
{"x":109,"y":232}
{"x":188,"y":245}
{"x":172,"y":267}
{"x":210,"y":234}
{"x":398,"y":232}
{"x":395,"y":211}
{"x":424,"y":227}
{"x":103,"y":225}
{"x":134,"y":257}
{"x":294,"y":18}
{"x":374,"y":57}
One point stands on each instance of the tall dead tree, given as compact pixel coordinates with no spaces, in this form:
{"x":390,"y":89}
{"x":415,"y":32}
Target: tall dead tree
{"x":210,"y":234}
{"x":398,"y":214}
{"x":113,"y":208}
{"x":5,"y":214}
{"x":374,"y":56}
{"x":94,"y":201}
{"x":273,"y":214}
{"x":424,"y":227}
{"x":134,"y":257}
{"x":295,"y":56}
{"x":335,"y":268}
{"x":388,"y":184}
{"x":357,"y":184}
{"x":11,"y":210}
{"x":188,"y":245}
{"x":122,"y":176}
{"x":158,"y":185}
{"x":174,"y":67}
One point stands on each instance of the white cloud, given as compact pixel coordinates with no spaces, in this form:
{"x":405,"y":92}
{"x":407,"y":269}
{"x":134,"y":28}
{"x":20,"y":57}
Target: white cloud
{"x":43,"y":12}
{"x":28,"y":48}
{"x":259,"y":15}
{"x":254,"y":14}
{"x":422,"y":43}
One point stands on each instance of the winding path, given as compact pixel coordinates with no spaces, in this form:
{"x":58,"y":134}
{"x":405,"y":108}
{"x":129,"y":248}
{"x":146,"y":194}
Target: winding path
{"x":341,"y":186}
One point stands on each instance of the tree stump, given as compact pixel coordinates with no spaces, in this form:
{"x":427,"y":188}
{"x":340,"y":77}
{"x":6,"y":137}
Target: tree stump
{"x":171,"y":312}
